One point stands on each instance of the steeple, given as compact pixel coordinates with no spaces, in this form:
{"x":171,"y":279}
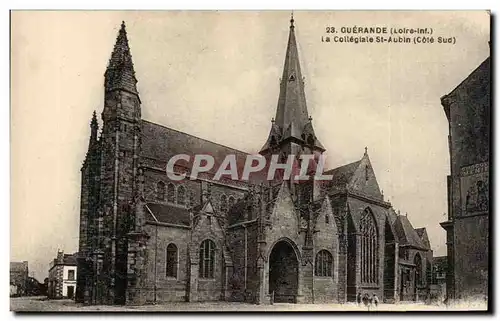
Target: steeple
{"x":292,"y":106}
{"x":120,"y":73}
{"x":292,"y":118}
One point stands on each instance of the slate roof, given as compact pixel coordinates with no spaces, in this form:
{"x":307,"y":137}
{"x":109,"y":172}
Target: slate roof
{"x":160,"y":142}
{"x":406,"y":234}
{"x":167,"y":213}
{"x":420,"y":231}
{"x":343,"y":174}
{"x":392,"y":215}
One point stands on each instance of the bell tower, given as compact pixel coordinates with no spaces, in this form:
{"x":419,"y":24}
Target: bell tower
{"x":120,"y":151}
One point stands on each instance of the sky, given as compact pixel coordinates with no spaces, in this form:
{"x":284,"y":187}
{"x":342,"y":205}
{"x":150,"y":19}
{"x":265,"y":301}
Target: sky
{"x":216,"y":75}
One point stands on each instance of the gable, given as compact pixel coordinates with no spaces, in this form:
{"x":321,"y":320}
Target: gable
{"x":325,"y":214}
{"x":363,"y":179}
{"x":284,"y":218}
{"x":208,"y":208}
{"x":206,"y":226}
{"x":406,"y":234}
{"x":422,"y":233}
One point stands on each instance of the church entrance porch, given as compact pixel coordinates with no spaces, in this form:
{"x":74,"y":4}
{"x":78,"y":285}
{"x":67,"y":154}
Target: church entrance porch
{"x":283,"y":273}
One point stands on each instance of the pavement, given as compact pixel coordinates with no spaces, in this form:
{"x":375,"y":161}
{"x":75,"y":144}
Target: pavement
{"x":42,"y":304}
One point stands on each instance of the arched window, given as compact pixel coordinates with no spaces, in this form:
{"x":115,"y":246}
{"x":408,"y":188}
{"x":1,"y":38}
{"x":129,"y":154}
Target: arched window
{"x":369,"y":248}
{"x":181,"y":195}
{"x":171,"y":270}
{"x":223,"y":203}
{"x":327,"y":219}
{"x":418,"y":269}
{"x":324,"y":263}
{"x":207,"y":259}
{"x":231,"y":202}
{"x":171,"y":193}
{"x":160,"y":191}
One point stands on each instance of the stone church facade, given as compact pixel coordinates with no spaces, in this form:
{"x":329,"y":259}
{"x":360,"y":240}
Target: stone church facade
{"x":145,"y":238}
{"x":468,"y":111}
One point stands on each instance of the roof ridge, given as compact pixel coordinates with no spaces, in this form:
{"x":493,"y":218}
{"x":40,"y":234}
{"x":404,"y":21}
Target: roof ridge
{"x":341,"y":166}
{"x":452,"y":92}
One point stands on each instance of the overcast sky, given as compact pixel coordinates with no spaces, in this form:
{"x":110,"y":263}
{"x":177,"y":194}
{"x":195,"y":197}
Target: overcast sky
{"x":216,"y":75}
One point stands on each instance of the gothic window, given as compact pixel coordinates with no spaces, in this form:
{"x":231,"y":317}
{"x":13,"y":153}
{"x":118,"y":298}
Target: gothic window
{"x":181,"y":195}
{"x":171,"y":270}
{"x":366,"y":172}
{"x":369,"y":248}
{"x":171,"y":193}
{"x":160,"y":191}
{"x":223,"y":203}
{"x":207,"y":259}
{"x":324,"y":263}
{"x":327,"y":219}
{"x":418,"y":269}
{"x":231,"y":202}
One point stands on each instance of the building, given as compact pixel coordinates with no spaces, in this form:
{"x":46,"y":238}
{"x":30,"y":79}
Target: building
{"x":35,"y":288}
{"x":438,"y":284}
{"x":62,"y":276}
{"x":145,"y":238}
{"x":467,"y":108}
{"x":439,"y":268}
{"x":19,"y":275}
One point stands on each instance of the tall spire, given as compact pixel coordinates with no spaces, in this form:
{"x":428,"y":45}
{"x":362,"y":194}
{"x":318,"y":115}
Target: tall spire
{"x":292,"y":106}
{"x":292,"y":119}
{"x":120,"y":73}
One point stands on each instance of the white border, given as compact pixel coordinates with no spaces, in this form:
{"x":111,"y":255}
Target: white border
{"x":186,"y":4}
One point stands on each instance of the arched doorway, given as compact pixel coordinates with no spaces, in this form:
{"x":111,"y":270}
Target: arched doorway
{"x":283,"y":272}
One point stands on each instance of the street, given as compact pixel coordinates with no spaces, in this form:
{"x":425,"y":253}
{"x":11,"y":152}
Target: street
{"x":30,"y":304}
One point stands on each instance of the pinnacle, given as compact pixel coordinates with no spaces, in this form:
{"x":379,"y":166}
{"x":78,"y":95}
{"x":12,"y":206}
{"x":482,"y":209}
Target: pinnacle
{"x":120,"y":73}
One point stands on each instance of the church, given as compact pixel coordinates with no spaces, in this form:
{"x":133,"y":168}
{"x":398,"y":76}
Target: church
{"x":147,"y":239}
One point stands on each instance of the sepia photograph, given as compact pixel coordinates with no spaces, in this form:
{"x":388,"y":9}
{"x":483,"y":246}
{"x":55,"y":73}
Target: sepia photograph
{"x":272,"y":161}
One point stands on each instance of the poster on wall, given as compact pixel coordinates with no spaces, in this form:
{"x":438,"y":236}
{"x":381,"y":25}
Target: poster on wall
{"x":474,"y":186}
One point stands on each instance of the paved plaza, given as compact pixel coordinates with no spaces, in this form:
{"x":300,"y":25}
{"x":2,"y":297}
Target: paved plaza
{"x":43,"y":304}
